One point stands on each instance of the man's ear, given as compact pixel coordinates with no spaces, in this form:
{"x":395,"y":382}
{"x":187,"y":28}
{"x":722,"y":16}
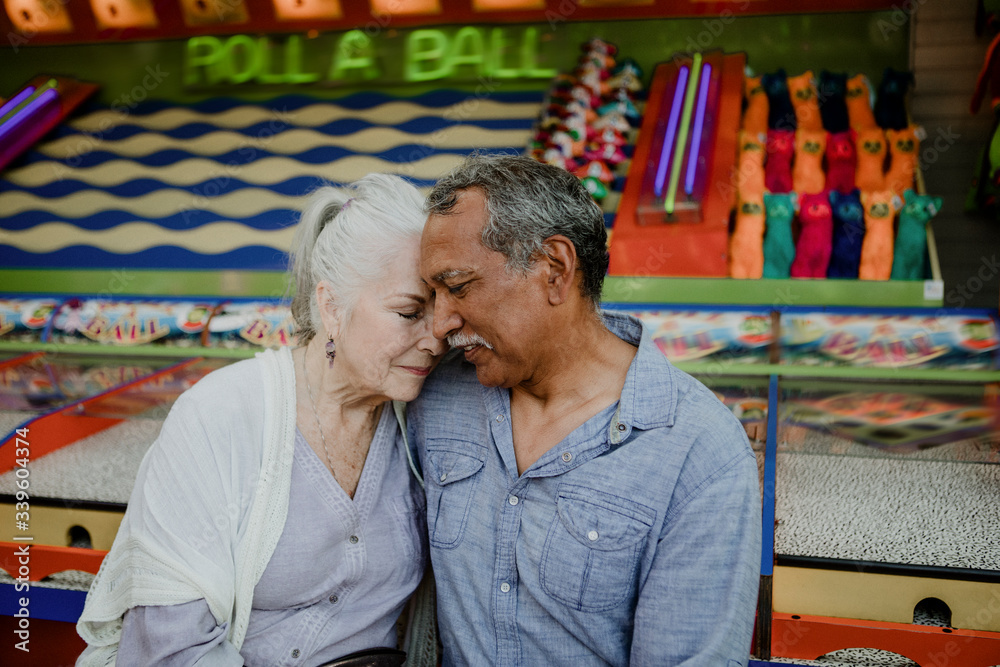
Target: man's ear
{"x":560,"y":264}
{"x":329,"y":312}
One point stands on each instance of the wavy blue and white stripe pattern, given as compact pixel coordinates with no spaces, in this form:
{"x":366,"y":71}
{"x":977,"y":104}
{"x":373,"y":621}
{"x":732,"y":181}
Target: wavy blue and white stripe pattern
{"x":219,"y":185}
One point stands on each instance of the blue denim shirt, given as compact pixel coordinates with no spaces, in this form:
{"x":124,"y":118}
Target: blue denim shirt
{"x":636,"y":540}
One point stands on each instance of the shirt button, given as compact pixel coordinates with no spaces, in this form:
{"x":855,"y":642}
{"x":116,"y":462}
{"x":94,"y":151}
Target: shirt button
{"x":567,"y":457}
{"x":444,"y":476}
{"x":499,"y":418}
{"x":592,"y":536}
{"x":354,"y":539}
{"x":621,"y":427}
{"x":512,"y":500}
{"x":295,"y":652}
{"x":333,"y":599}
{"x":505,"y":587}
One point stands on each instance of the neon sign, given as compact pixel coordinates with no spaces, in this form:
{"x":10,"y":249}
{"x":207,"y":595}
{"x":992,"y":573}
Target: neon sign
{"x":427,"y":55}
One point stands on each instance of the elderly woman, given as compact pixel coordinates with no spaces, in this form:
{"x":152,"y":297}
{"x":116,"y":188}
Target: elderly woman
{"x":275,"y":520}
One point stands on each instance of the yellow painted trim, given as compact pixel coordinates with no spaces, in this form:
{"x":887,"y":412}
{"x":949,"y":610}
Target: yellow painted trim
{"x":882,"y":597}
{"x":50,"y":525}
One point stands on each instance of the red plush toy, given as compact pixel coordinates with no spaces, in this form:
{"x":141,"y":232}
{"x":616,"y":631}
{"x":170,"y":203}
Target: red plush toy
{"x":841,"y":162}
{"x":778,"y":168}
{"x":807,"y":173}
{"x":812,"y":252}
{"x":876,"y":249}
{"x":904,"y":146}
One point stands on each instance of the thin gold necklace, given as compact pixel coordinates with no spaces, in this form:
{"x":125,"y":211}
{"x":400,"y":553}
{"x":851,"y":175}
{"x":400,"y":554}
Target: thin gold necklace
{"x":312,"y":403}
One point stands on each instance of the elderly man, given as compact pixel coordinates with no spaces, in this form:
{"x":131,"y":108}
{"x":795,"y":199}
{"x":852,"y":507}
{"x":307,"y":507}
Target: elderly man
{"x":587,"y":502}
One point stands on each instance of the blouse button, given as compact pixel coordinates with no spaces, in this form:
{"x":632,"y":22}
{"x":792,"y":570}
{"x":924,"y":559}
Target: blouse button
{"x":333,"y":599}
{"x":354,"y":539}
{"x":505,"y":587}
{"x":295,"y":652}
{"x":592,"y":536}
{"x":621,"y":427}
{"x":567,"y":457}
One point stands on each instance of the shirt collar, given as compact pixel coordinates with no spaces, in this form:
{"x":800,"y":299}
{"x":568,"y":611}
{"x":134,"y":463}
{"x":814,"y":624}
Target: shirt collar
{"x":649,"y":396}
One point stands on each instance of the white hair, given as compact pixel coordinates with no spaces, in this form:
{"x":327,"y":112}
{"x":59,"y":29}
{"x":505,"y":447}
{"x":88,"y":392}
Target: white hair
{"x":348,"y":237}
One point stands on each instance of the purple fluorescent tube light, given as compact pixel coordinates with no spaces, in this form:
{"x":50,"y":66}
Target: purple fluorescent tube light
{"x":29,"y":110}
{"x":14,"y":101}
{"x":671,"y":136}
{"x":699,"y":123}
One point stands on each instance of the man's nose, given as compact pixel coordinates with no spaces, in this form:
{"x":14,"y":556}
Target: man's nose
{"x":446,"y":318}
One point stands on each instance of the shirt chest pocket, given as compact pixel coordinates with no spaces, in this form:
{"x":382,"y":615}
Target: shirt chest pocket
{"x":592,"y":548}
{"x":454,"y":475}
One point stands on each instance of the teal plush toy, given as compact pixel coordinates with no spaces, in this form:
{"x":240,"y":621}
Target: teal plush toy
{"x":911,"y":240}
{"x":779,"y":246}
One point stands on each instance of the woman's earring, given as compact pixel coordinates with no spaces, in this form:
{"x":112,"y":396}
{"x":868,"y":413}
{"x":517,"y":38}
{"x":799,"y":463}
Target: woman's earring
{"x":331,"y":350}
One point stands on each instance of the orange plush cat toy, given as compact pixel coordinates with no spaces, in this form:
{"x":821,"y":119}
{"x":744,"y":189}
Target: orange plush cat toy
{"x":904,"y":146}
{"x":746,"y":250}
{"x":871,"y":149}
{"x":807,"y":173}
{"x":859,"y":103}
{"x":802,"y":90}
{"x":876,"y":249}
{"x":746,"y":245}
{"x":751,"y":165}
{"x":755,"y":114}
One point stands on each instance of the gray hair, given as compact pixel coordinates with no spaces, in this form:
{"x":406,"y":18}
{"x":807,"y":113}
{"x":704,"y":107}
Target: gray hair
{"x":527,"y":202}
{"x":348,"y":237}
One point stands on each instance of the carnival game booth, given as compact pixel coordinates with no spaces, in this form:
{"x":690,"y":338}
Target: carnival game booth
{"x":143,"y":240}
{"x":875,"y":432}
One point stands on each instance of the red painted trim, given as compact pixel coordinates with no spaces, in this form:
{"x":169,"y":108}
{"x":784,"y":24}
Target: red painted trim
{"x":809,"y":637}
{"x":357,"y":14}
{"x":47,"y":559}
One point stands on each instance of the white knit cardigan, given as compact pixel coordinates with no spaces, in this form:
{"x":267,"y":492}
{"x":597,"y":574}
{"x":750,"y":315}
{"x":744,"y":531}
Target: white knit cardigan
{"x":209,"y":524}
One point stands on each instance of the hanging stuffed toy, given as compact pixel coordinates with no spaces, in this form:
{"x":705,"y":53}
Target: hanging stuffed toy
{"x":812,"y":252}
{"x":859,"y":103}
{"x":755,"y":115}
{"x":751,"y":166}
{"x":802,"y":91}
{"x":832,"y":104}
{"x":890,"y":104}
{"x":876,"y":249}
{"x":746,"y":252}
{"x":871,"y":150}
{"x":911,"y":240}
{"x":779,"y":247}
{"x":746,"y":249}
{"x":841,"y":162}
{"x":807,"y":173}
{"x":904,"y":146}
{"x":780,"y":112}
{"x":985,"y":190}
{"x":778,"y":166}
{"x":848,"y":234}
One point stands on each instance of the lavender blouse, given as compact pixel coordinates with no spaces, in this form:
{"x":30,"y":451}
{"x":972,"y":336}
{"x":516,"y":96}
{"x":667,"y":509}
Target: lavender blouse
{"x":336,"y":583}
